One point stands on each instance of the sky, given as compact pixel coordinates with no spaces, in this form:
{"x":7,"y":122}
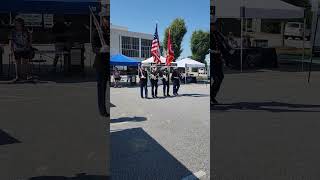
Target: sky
{"x":142,"y":16}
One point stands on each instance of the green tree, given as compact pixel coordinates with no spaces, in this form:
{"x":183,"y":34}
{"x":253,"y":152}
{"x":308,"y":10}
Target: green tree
{"x":178,"y":30}
{"x":200,"y":43}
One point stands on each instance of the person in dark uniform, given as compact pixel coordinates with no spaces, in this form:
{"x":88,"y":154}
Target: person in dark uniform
{"x":220,"y":52}
{"x":175,"y":78}
{"x":143,"y":76}
{"x":101,"y":64}
{"x":62,"y":43}
{"x":154,"y":82}
{"x":165,"y":82}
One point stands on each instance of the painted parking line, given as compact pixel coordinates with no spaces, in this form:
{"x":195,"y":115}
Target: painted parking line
{"x":195,"y":176}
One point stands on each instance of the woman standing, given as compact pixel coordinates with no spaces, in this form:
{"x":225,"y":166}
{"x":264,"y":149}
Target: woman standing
{"x":21,"y":47}
{"x":117,"y":78}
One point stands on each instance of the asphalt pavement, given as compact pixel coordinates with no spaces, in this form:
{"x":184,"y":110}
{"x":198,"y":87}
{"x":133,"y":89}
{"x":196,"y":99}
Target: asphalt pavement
{"x":267,"y":126}
{"x":164,"y":138}
{"x":52,"y":131}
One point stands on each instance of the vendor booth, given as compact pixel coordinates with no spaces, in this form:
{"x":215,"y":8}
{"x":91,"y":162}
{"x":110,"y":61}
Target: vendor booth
{"x":40,"y":18}
{"x":256,"y":9}
{"x":130,"y":64}
{"x":189,"y":63}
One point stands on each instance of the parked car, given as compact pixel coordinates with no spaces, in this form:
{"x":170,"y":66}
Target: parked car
{"x":294,"y":30}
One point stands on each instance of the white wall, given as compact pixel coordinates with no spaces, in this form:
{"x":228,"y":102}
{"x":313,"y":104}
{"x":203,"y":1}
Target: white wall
{"x":115,"y":38}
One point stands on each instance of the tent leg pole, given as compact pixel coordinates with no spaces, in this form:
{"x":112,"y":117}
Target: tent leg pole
{"x":10,"y":19}
{"x":185,"y":75}
{"x":303,"y":43}
{"x":241,"y":48}
{"x":91,"y":38}
{"x":313,"y":43}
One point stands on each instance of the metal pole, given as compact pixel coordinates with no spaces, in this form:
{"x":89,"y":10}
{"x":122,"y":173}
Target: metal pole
{"x":185,"y":76}
{"x":91,"y":37}
{"x":241,"y":42}
{"x":242,"y":14}
{"x":303,"y":42}
{"x":313,"y":43}
{"x":10,"y":19}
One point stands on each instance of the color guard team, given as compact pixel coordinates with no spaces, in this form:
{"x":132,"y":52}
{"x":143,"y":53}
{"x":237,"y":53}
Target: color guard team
{"x":155,"y":75}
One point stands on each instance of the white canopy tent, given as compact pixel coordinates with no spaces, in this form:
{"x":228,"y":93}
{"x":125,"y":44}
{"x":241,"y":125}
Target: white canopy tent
{"x":151,"y":60}
{"x":187,"y":62}
{"x":271,"y":9}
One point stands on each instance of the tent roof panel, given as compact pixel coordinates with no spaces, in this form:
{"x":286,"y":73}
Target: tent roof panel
{"x":271,"y":9}
{"x":46,"y":6}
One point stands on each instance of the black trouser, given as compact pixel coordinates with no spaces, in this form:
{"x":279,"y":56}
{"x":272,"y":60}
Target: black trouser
{"x":102,"y":81}
{"x":102,"y":88}
{"x":166,"y":87}
{"x":176,"y":86}
{"x":154,"y":87}
{"x":144,"y":85}
{"x":217,"y":79}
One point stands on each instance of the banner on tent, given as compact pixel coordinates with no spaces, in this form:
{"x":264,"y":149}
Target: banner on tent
{"x":36,"y":20}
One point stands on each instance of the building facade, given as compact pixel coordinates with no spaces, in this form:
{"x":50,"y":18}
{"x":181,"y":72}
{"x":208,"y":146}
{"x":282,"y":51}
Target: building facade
{"x":132,"y":44}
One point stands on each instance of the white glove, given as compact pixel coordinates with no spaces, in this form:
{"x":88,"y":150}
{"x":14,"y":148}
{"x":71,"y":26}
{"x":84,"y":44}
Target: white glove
{"x":105,"y":49}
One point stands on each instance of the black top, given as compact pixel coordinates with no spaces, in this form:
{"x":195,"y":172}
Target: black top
{"x":175,"y":75}
{"x":59,"y":30}
{"x":165,"y":73}
{"x":221,"y":48}
{"x":145,"y":74}
{"x":155,"y":73}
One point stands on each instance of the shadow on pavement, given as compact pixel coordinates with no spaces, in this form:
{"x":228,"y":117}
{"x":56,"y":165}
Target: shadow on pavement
{"x":195,"y":95}
{"x":136,"y":155}
{"x":77,"y":177}
{"x":276,"y":107}
{"x":128,"y":119}
{"x":5,"y":138}
{"x":245,"y":71}
{"x":284,"y":66}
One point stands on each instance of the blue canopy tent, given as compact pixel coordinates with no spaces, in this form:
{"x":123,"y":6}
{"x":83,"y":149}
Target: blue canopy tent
{"x":122,"y":60}
{"x":56,"y":7}
{"x":48,"y":6}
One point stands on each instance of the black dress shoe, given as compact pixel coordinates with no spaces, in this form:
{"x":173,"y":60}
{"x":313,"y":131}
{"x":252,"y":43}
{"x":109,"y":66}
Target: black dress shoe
{"x":105,"y":114}
{"x":214,"y":101}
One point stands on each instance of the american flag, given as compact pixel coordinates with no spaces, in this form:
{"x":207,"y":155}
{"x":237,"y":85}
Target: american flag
{"x":155,"y":49}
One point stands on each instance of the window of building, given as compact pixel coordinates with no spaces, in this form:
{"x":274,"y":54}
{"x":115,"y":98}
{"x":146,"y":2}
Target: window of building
{"x":146,"y":48}
{"x":130,"y":46}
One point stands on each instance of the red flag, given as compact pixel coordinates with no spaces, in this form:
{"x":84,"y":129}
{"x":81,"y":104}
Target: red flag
{"x":170,"y":53}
